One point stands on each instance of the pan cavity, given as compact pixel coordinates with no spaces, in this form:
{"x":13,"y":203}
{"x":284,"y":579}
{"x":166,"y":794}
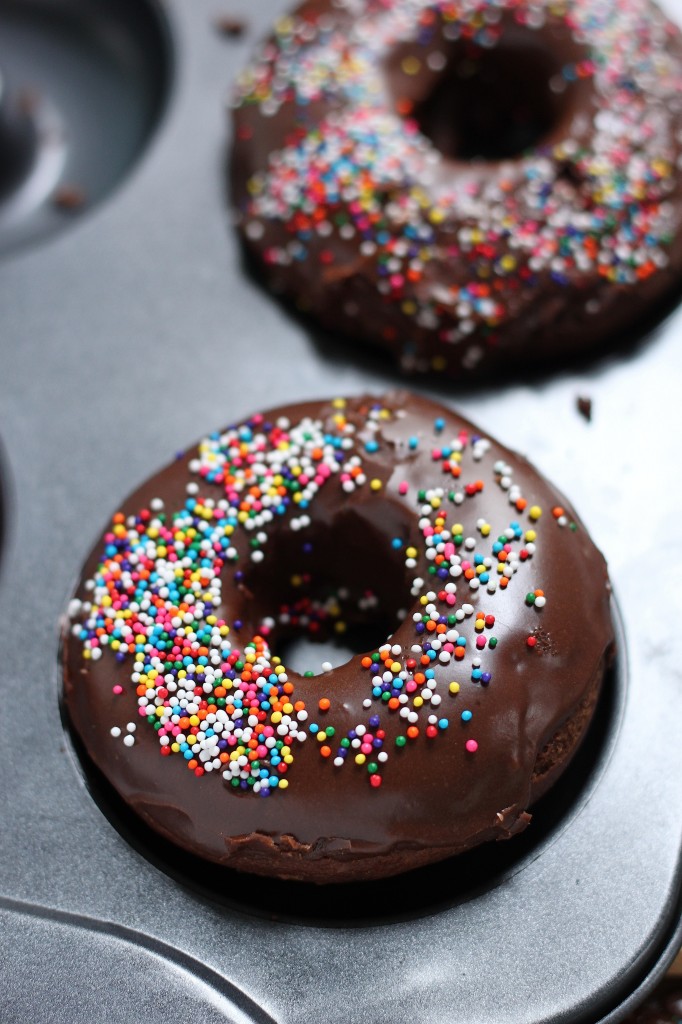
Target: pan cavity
{"x":82,"y":88}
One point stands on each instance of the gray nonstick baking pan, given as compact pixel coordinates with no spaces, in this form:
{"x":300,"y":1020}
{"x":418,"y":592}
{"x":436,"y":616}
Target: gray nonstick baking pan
{"x":129,"y":326}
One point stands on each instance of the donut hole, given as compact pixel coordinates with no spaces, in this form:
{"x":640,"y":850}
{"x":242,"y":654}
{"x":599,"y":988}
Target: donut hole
{"x":485,"y":103}
{"x":491,"y":104}
{"x":338,"y":592}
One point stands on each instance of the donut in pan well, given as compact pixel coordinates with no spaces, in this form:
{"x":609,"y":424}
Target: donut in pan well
{"x":474,"y":186}
{"x":489,"y":604}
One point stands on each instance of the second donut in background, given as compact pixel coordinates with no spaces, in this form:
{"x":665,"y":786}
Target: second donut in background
{"x":473,"y":186}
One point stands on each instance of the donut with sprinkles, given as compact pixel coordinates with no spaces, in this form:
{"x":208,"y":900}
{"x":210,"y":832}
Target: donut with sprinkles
{"x":485,"y":602}
{"x":468,"y":184}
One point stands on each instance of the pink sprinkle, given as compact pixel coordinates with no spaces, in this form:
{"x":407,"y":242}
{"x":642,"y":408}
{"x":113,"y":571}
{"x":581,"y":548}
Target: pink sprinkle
{"x":472,"y":746}
{"x":403,"y":487}
{"x":117,"y":689}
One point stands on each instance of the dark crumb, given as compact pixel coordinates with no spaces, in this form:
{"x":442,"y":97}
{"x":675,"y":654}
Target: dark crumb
{"x":230,"y":26}
{"x":69,"y":197}
{"x":28,"y":101}
{"x":584,"y":407}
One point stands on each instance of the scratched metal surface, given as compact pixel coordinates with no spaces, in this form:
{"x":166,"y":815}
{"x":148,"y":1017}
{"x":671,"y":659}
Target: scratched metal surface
{"x":123,"y":339}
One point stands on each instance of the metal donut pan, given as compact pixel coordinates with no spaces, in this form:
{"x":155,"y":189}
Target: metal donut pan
{"x":129,"y":328}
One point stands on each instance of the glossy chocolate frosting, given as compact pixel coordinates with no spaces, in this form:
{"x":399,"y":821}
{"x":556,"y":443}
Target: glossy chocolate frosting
{"x":531,"y":697}
{"x":467,"y":185}
{"x":662,"y":1006}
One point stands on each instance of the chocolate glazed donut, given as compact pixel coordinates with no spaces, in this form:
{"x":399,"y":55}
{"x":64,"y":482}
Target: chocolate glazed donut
{"x":470,"y":185}
{"x":391,"y":513}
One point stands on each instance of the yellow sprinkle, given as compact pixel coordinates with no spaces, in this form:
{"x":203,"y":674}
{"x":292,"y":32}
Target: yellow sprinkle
{"x":360,"y":758}
{"x":454,"y":687}
{"x":339,"y":403}
{"x":418,"y":701}
{"x":411,"y":552}
{"x":375,"y":484}
{"x":175,"y":747}
{"x":530,"y":536}
{"x":535,"y":512}
{"x":282,"y":784}
{"x":396,"y":666}
{"x":411,"y":65}
{"x":288,"y":708}
{"x":276,"y":717}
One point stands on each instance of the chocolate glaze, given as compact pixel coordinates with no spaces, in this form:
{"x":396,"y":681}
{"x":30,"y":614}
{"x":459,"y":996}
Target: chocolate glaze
{"x":552,"y":303}
{"x":436,"y":799}
{"x":662,"y":1006}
